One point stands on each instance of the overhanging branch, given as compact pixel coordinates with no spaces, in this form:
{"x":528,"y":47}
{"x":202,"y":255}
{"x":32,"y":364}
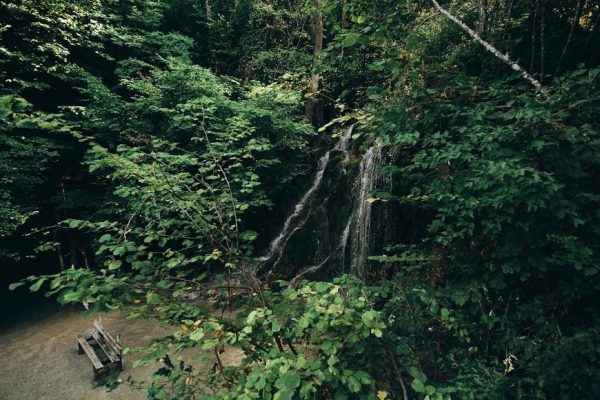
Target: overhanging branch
{"x":504,"y":57}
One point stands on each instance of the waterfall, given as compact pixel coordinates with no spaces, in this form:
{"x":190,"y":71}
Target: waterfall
{"x":357,"y":239}
{"x":361,"y":215}
{"x":293,"y":221}
{"x":344,"y":243}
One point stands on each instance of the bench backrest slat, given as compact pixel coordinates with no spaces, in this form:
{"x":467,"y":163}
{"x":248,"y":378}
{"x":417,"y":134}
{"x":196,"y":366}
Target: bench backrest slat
{"x":113,"y":358}
{"x":115,"y":345}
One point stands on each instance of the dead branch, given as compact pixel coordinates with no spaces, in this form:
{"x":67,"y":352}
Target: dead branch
{"x":308,"y":270}
{"x":504,"y":57}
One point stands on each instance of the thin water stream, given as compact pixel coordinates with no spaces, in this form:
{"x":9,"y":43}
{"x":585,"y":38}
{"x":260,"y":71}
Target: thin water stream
{"x":362,"y":210}
{"x":293,"y":221}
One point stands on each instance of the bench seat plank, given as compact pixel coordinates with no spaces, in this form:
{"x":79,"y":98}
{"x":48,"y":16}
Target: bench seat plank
{"x":91,"y":354}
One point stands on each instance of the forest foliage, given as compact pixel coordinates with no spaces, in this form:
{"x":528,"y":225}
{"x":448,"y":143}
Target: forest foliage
{"x":150,"y":149}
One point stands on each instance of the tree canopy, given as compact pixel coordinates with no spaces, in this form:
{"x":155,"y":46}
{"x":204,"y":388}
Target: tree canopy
{"x":150,"y":150}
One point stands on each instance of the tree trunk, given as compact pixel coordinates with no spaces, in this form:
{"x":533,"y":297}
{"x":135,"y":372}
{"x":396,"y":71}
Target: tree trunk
{"x":570,"y":37}
{"x":344,"y":22}
{"x":313,"y":110}
{"x":84,"y":257}
{"x":208,"y":10}
{"x":505,"y":33}
{"x":533,"y":26}
{"x":483,"y":17}
{"x":542,"y":30}
{"x":74,"y":245}
{"x":61,"y":259}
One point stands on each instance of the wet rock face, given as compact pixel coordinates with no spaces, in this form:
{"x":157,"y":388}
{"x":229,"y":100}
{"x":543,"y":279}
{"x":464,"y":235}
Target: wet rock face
{"x":309,"y":222}
{"x":336,"y":225}
{"x":316,"y":238}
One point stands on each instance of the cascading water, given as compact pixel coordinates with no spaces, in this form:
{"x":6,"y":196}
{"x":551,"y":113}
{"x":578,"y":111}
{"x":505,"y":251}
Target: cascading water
{"x":361,"y":216}
{"x":293,"y":222}
{"x":344,"y":243}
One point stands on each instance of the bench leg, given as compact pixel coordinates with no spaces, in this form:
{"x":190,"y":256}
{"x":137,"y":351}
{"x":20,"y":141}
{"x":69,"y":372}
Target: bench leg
{"x":98,"y":375}
{"x":79,"y":349}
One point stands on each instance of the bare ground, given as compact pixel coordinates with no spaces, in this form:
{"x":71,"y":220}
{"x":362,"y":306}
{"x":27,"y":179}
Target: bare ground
{"x":39,"y":360}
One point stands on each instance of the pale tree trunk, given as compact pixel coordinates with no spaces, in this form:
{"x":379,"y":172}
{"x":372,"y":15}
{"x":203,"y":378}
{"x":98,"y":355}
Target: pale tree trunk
{"x":542,"y":31}
{"x":483,"y":17}
{"x":59,"y":250}
{"x":504,"y":57}
{"x":208,"y":9}
{"x":313,"y":111}
{"x":568,"y":42}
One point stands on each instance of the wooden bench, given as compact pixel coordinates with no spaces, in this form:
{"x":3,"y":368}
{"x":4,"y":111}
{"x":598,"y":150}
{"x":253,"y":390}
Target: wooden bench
{"x":105,"y":353}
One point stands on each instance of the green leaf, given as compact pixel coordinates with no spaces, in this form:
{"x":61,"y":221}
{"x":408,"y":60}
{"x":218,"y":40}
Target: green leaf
{"x":152,"y":298}
{"x":119,"y":251}
{"x":105,"y":238}
{"x":69,"y":296}
{"x":275,"y":325}
{"x":350,"y":39}
{"x":292,"y":294}
{"x":15,"y":285}
{"x":36,"y":286}
{"x":418,"y":386}
{"x":322,"y":287}
{"x":197,"y":335}
{"x":370,"y":318}
{"x":353,"y":384}
{"x":288,"y":381}
{"x":56,"y":282}
{"x":283,"y":395}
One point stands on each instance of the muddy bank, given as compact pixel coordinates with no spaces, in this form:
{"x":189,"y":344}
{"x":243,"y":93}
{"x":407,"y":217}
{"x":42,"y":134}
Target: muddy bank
{"x":40,"y":360}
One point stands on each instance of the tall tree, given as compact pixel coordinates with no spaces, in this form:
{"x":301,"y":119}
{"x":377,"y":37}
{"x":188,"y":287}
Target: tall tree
{"x":574,"y":26}
{"x":314,"y":110}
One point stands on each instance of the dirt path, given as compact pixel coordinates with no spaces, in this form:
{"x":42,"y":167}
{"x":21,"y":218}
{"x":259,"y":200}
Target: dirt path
{"x":39,"y":360}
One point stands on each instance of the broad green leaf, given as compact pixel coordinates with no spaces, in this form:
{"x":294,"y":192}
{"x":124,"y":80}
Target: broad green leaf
{"x":15,"y":285}
{"x":37,"y":285}
{"x":197,"y":335}
{"x":288,"y":381}
{"x":351,"y":39}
